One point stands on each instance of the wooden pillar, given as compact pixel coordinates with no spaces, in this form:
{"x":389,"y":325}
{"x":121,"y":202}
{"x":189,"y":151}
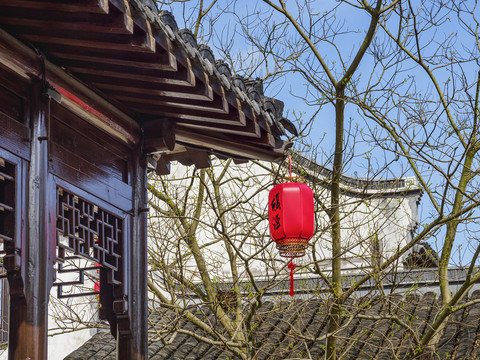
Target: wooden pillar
{"x":134,"y":346}
{"x":29,"y":311}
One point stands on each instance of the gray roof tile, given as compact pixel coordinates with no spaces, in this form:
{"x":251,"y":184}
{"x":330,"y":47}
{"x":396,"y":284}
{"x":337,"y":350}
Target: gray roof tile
{"x":470,"y":328}
{"x":375,"y":337}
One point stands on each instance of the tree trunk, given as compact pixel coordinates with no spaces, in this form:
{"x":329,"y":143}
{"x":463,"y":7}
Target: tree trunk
{"x":334,"y":322}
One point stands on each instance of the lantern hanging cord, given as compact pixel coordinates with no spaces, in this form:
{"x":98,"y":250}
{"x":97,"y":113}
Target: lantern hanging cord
{"x":290,"y":166}
{"x":292,"y":267}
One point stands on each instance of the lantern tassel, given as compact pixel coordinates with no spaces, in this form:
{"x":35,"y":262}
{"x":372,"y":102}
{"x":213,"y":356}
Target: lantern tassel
{"x":292,"y":267}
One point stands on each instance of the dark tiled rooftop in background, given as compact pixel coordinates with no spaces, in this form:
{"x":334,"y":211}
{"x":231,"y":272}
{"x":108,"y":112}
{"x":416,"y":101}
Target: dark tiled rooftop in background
{"x":366,"y":335}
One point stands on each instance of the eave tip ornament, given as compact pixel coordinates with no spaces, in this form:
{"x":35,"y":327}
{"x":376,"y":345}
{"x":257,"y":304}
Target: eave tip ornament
{"x":291,"y":217}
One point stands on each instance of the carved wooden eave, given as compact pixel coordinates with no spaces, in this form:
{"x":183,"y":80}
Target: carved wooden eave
{"x":126,"y":68}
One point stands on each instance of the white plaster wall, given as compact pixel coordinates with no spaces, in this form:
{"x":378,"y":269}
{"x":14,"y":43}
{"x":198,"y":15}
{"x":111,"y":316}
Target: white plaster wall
{"x":66,"y":334}
{"x":60,"y":346}
{"x":367,"y":225}
{"x":372,"y":218}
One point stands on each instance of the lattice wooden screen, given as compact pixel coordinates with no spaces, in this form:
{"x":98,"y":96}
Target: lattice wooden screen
{"x":7,"y":237}
{"x":7,"y":206}
{"x":89,"y":232}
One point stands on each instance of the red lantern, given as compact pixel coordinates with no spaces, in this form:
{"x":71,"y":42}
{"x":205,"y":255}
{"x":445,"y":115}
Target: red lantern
{"x":291,"y":216}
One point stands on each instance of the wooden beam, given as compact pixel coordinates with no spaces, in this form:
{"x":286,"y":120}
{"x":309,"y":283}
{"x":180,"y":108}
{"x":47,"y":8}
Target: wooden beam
{"x":22,"y":60}
{"x":154,"y":91}
{"x":122,"y":69}
{"x":203,"y":118}
{"x":163,"y":41}
{"x":91,"y":40}
{"x":264,"y":139}
{"x":216,"y":106}
{"x":92,"y":6}
{"x":115,"y":22}
{"x":181,"y":82}
{"x":229,"y":95}
{"x":232,"y":148}
{"x":137,"y":39}
{"x":94,"y":117}
{"x":251,"y":134}
{"x":110,"y":25}
{"x":236,"y":117}
{"x":192,"y":79}
{"x":251,"y":129}
{"x":93,"y":74}
{"x":163,"y":63}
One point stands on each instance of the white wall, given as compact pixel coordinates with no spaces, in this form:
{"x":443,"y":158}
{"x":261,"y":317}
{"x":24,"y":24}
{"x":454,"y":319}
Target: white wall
{"x":382,"y":218}
{"x":72,"y":321}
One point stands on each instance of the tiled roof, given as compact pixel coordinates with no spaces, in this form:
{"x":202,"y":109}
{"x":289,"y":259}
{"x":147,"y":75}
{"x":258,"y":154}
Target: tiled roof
{"x":137,"y":59}
{"x":355,"y":185}
{"x":368,"y":332}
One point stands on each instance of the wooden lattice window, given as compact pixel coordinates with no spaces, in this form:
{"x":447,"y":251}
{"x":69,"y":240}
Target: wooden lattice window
{"x":7,"y":236}
{"x":7,"y":204}
{"x":89,"y":232}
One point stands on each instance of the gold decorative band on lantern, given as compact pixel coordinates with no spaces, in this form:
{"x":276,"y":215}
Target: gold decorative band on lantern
{"x":292,"y":247}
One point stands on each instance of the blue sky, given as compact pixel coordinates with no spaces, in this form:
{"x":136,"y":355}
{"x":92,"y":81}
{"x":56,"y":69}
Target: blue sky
{"x":350,"y":25}
{"x":224,"y":29}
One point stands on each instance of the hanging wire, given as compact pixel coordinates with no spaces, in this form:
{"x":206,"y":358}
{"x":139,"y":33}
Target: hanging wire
{"x":291,"y":265}
{"x":290,"y":166}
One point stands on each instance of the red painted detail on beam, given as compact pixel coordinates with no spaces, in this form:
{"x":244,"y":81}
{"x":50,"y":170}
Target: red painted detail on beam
{"x":82,"y":104}
{"x":107,"y":124}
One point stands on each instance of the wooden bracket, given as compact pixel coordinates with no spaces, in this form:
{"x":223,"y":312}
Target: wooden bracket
{"x":159,"y":136}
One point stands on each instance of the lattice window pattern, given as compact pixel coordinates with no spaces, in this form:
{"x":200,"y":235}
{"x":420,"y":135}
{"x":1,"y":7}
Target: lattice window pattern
{"x":77,"y":277}
{"x":7,"y":209}
{"x":89,"y":232}
{"x":7,"y":237}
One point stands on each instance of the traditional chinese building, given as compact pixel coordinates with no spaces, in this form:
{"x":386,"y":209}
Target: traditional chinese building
{"x":93,"y":93}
